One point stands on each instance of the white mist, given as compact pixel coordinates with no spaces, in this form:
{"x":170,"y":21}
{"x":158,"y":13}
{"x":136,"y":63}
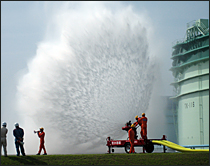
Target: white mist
{"x":91,"y":74}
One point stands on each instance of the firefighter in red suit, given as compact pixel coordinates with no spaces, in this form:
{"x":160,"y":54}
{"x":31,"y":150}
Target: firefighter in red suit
{"x":137,"y":121}
{"x":131,"y":135}
{"x":143,"y":122}
{"x":41,"y":135}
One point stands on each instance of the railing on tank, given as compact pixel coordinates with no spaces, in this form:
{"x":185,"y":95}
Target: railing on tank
{"x":191,"y":23}
{"x":196,"y":28}
{"x":177,"y":41}
{"x":199,"y":25}
{"x":202,"y":27}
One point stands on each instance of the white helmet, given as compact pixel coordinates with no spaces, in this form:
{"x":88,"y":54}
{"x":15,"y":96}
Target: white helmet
{"x":16,"y":124}
{"x":4,"y":124}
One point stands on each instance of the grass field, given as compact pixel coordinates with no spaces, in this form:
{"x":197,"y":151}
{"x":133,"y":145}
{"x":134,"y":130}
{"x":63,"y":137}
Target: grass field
{"x":187,"y":158}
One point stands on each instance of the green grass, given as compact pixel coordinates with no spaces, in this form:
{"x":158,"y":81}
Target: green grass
{"x":187,"y":158}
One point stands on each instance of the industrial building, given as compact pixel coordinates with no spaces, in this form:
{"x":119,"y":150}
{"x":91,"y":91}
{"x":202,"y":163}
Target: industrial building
{"x":190,"y":68}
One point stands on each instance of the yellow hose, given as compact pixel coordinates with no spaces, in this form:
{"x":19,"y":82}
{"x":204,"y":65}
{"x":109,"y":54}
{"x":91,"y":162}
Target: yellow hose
{"x":178,"y":147}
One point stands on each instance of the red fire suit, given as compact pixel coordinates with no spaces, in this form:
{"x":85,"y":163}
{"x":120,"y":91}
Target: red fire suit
{"x":131,"y":135}
{"x":41,"y":136}
{"x":143,"y":121}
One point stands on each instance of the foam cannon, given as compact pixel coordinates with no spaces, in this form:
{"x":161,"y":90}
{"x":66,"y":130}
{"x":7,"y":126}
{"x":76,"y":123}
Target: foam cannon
{"x":127,"y":127}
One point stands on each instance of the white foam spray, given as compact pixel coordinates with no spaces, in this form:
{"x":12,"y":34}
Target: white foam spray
{"x":91,"y":74}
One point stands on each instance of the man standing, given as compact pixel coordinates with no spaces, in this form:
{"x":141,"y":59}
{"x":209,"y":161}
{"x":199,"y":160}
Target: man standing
{"x":4,"y":131}
{"x":131,"y":135}
{"x":41,"y":135}
{"x":18,"y":134}
{"x":143,"y":121}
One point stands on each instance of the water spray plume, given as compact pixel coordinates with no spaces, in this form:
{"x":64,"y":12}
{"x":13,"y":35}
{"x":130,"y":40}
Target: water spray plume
{"x":87,"y":82}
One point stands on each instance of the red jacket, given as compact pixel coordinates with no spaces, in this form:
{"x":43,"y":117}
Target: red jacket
{"x":137,"y":122}
{"x":41,"y":136}
{"x":143,"y":121}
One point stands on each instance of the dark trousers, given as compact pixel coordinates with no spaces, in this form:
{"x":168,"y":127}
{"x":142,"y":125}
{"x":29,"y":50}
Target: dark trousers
{"x":18,"y":145}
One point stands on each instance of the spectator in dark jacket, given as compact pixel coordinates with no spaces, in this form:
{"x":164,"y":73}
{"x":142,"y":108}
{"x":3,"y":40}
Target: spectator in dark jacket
{"x":18,"y":134}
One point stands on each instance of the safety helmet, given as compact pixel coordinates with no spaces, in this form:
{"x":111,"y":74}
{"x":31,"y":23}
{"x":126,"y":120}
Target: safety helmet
{"x":4,"y":124}
{"x":16,"y":124}
{"x":41,"y":128}
{"x":132,"y":125}
{"x":143,"y":114}
{"x":136,"y":116}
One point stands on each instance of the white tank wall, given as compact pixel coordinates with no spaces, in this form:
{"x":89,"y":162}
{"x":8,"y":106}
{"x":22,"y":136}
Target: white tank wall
{"x":189,"y":72}
{"x":205,"y":95}
{"x":188,"y":106}
{"x":205,"y":67}
{"x":194,"y":70}
{"x":194,"y":84}
{"x":189,"y":118}
{"x":205,"y":81}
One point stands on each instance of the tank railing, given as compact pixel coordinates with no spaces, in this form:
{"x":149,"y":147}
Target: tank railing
{"x":200,"y":28}
{"x":203,"y":28}
{"x":182,"y":40}
{"x":199,"y":25}
{"x":191,"y":23}
{"x":177,"y":41}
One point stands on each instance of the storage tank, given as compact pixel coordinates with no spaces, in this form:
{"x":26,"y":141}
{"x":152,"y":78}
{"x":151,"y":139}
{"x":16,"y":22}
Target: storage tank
{"x":190,"y":68}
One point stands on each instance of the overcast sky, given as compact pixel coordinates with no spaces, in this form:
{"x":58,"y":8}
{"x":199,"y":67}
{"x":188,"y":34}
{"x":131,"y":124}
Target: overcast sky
{"x":24,"y":25}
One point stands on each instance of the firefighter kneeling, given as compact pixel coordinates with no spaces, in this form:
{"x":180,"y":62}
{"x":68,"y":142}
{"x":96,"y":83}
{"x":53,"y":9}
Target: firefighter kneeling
{"x":131,"y":135}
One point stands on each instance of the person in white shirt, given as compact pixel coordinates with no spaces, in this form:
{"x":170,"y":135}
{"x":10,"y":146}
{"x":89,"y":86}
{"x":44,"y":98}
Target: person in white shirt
{"x":4,"y":131}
